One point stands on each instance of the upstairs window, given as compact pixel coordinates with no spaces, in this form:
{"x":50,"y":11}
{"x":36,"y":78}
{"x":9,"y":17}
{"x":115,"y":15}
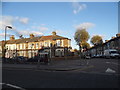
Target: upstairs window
{"x":37,"y":45}
{"x":59,"y":43}
{"x":46,"y":44}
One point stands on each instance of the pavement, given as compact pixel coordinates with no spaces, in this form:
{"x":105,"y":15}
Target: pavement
{"x":55,"y":65}
{"x":97,"y":66}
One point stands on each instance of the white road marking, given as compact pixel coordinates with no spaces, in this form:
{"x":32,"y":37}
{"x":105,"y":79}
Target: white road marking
{"x":13,"y":86}
{"x":109,"y":70}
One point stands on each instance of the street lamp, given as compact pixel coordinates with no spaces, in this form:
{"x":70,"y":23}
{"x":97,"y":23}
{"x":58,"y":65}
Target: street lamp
{"x":6,"y":31}
{"x":5,"y":39}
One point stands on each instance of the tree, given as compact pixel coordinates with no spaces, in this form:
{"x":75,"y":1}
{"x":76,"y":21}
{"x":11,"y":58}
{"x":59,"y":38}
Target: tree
{"x":85,"y":45}
{"x":96,"y":40}
{"x":76,"y":51}
{"x":81,"y":35}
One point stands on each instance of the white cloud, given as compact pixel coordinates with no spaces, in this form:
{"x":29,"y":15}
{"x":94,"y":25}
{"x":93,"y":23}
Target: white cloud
{"x":10,"y":20}
{"x":40,"y":28}
{"x":6,"y":21}
{"x":86,"y":26}
{"x":23,"y":32}
{"x":2,"y":35}
{"x":78,"y":7}
{"x":24,"y":20}
{"x":27,"y":32}
{"x":43,"y":28}
{"x":61,"y":32}
{"x":37,"y":33}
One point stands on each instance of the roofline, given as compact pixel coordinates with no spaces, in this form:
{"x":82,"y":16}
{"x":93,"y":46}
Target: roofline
{"x":104,"y":42}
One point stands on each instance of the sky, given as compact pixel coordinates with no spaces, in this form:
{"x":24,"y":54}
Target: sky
{"x":41,"y":18}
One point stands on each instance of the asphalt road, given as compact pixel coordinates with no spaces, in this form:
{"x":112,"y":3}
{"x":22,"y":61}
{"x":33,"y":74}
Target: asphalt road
{"x":101,"y":65}
{"x":46,"y":79}
{"x":94,"y":77}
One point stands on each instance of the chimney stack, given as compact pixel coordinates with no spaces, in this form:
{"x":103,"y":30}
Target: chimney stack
{"x":54,"y":33}
{"x":113,"y":37}
{"x":118,"y":35}
{"x":12,"y":37}
{"x":106,"y":40}
{"x":31,"y":35}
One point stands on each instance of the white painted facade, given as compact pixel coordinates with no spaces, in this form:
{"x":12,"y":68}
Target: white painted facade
{"x":69,"y":43}
{"x":11,"y":46}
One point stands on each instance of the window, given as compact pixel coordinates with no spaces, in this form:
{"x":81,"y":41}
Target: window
{"x":32,"y":45}
{"x":69,"y":42}
{"x":29,"y":45}
{"x":20,"y":46}
{"x":46,"y":43}
{"x":40,"y":44}
{"x":14,"y":47}
{"x":37,"y":45}
{"x":58,"y":43}
{"x":24,"y":46}
{"x":62,"y":42}
{"x":9,"y":48}
{"x":6,"y":48}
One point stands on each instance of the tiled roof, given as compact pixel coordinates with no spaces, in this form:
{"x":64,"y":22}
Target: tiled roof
{"x":106,"y":42}
{"x":35,"y":39}
{"x":112,"y":39}
{"x":52,"y":37}
{"x":24,"y":40}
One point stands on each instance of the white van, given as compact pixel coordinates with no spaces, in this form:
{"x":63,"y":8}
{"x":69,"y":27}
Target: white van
{"x":111,"y":53}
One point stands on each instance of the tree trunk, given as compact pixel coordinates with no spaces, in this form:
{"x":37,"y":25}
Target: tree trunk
{"x":80,"y":50}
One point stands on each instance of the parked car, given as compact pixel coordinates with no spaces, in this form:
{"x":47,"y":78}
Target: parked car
{"x":87,"y":57}
{"x":20,"y":58}
{"x":32,"y":59}
{"x":93,"y":56}
{"x":97,"y":56}
{"x":111,"y":53}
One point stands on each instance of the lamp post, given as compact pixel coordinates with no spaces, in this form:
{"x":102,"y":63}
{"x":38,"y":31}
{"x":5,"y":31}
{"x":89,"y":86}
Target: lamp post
{"x":5,"y":40}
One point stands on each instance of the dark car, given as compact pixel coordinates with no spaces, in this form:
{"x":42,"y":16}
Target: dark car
{"x":20,"y":58}
{"x":33,"y":59}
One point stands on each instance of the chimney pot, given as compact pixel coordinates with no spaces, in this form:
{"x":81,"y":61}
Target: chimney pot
{"x":12,"y":37}
{"x":113,"y":37}
{"x":118,"y":35}
{"x":54,"y":33}
{"x":31,"y":35}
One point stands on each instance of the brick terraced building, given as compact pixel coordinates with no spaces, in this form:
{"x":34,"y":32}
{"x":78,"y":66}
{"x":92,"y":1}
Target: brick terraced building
{"x":113,"y":43}
{"x":56,"y":45}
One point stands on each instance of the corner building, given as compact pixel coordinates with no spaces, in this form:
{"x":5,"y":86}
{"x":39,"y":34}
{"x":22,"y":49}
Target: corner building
{"x":56,"y":45}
